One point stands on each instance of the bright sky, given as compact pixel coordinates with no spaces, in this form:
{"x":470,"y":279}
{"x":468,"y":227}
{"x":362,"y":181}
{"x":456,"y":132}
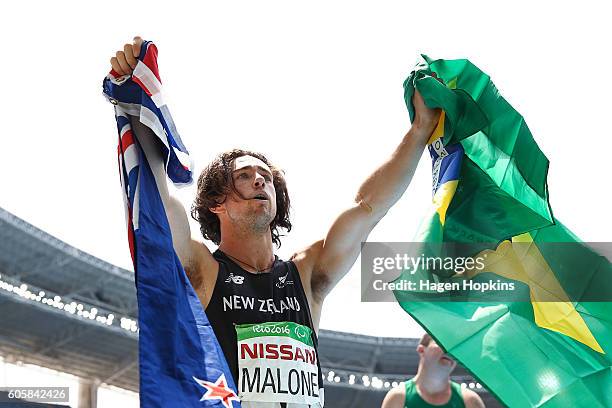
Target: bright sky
{"x":316,"y":86}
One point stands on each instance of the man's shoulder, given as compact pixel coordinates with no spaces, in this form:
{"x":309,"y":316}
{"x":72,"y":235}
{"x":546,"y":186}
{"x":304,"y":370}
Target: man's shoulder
{"x":305,"y":258}
{"x":395,"y":398}
{"x":471,"y":399}
{"x":201,"y":258}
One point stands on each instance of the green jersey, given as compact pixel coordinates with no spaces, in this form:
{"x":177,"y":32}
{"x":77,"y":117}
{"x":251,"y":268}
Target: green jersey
{"x":414,"y":400}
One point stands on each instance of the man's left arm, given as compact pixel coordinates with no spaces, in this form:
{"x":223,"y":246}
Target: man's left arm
{"x":324,"y":263}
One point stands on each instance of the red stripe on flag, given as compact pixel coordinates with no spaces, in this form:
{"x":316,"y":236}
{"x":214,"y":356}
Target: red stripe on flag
{"x":126,"y":141}
{"x":130,"y":229}
{"x":150,"y":60}
{"x":144,"y":88}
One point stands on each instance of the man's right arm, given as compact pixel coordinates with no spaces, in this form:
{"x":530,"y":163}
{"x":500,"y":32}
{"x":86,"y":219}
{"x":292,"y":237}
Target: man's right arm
{"x":194,"y":256}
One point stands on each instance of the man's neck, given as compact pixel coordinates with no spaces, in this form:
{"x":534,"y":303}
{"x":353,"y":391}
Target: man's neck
{"x":432,"y":387}
{"x":253,"y":251}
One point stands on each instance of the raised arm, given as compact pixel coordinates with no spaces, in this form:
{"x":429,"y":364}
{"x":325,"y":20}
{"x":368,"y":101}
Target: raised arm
{"x":193,"y":255}
{"x":327,"y":261}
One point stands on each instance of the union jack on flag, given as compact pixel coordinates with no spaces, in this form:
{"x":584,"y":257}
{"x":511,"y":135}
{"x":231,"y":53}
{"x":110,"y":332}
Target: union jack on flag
{"x":181,"y":362}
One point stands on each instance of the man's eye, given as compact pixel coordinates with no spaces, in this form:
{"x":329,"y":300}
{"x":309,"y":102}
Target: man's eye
{"x":243,"y":175}
{"x":267,"y":177}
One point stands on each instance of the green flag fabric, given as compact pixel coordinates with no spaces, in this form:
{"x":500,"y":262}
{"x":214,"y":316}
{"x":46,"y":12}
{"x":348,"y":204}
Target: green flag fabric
{"x":489,"y":186}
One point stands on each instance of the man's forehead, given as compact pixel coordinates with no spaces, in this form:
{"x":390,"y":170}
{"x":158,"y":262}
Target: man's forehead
{"x":248,"y":161}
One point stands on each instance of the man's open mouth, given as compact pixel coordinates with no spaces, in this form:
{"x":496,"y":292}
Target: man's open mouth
{"x":448,"y":359}
{"x":260,"y":197}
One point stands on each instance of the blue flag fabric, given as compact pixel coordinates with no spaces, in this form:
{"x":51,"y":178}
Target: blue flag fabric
{"x":181,"y":362}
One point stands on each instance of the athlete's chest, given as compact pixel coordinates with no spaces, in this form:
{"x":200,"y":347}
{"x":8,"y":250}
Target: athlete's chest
{"x":263,"y":323}
{"x":247,"y":298}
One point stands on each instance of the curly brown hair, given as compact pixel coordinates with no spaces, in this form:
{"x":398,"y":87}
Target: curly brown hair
{"x":216,"y":181}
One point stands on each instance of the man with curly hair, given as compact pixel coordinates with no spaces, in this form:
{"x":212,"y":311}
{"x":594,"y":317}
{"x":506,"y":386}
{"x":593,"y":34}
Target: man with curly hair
{"x":265,"y":312}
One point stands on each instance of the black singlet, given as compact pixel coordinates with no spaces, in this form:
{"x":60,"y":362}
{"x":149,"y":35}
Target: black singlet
{"x":242,"y":297}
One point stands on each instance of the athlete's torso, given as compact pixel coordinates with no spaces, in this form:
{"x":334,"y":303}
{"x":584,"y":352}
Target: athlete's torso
{"x":239,"y":298}
{"x":414,"y":400}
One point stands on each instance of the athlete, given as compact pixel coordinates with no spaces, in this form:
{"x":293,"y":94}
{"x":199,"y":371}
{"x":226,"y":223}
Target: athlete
{"x":242,"y":205}
{"x":432,"y":386}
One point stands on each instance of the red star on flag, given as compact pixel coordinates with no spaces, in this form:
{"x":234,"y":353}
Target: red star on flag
{"x":218,"y":390}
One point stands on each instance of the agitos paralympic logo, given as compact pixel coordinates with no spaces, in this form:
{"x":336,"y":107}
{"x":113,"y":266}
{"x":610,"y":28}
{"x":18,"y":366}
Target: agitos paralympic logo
{"x":300,"y":332}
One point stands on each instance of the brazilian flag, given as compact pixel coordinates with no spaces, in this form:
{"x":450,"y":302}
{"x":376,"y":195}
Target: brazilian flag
{"x":489,"y":186}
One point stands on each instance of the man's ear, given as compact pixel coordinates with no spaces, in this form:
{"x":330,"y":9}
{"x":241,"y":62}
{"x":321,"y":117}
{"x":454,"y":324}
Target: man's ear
{"x":219,"y":208}
{"x":420,"y":349}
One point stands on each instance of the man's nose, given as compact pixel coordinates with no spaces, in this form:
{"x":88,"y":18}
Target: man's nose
{"x":259,"y":180}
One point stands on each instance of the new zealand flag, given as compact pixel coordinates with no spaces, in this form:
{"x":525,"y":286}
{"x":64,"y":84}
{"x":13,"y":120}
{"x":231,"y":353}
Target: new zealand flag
{"x":181,"y":362}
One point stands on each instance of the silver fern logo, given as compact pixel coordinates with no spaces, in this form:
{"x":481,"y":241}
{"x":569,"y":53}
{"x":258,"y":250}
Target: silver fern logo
{"x":282,"y":281}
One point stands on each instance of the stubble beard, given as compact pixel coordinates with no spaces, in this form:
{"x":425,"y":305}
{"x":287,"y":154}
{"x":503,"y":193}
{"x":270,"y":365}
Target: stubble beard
{"x":260,"y":223}
{"x":254,"y":222}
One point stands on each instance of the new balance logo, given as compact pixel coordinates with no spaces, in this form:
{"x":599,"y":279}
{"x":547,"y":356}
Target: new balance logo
{"x":238,"y":280}
{"x":282,"y":281}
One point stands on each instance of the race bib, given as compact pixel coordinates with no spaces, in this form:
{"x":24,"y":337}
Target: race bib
{"x":277,"y":362}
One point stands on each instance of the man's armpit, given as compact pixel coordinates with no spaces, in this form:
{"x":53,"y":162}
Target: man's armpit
{"x":320,"y":284}
{"x":305,"y":262}
{"x":195,"y":277}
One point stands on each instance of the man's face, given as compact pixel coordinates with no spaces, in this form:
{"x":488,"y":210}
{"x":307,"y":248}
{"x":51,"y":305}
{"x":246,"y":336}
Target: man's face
{"x":434,"y":357}
{"x":255,"y":205}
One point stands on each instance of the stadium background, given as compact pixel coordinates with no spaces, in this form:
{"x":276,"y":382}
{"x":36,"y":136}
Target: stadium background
{"x":76,"y":316}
